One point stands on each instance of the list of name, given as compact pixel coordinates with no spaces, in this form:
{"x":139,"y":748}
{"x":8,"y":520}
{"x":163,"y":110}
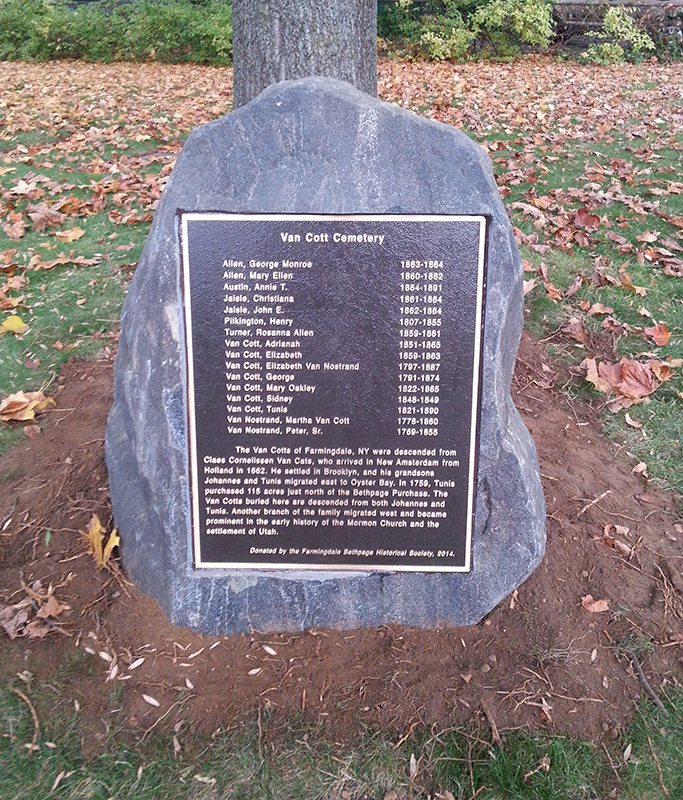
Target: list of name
{"x":266,"y":367}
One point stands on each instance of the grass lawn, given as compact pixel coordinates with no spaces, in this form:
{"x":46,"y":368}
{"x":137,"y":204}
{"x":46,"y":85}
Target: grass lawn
{"x":589,"y":161}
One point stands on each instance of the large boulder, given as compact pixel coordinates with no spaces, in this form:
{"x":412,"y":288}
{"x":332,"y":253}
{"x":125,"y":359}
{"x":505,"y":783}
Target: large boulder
{"x":314,"y":146}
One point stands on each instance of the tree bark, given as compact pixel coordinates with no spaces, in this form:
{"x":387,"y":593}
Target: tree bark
{"x":277,"y":40}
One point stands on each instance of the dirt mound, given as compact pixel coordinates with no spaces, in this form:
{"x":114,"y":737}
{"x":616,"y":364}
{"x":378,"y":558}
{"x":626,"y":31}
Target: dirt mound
{"x":546,"y":656}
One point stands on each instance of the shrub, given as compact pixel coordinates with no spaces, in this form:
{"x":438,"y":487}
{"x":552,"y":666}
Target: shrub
{"x":620,"y":39}
{"x":446,"y":36}
{"x":165,"y":30}
{"x":507,"y":24}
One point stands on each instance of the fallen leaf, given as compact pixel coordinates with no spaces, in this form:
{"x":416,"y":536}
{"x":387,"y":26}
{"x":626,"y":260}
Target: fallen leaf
{"x":70,"y":235}
{"x":528,"y":286}
{"x":659,"y":334}
{"x":113,"y":541}
{"x":13,"y":324}
{"x":15,"y":230}
{"x":23,"y":406}
{"x":637,"y":379}
{"x":95,"y":536}
{"x":575,"y":328}
{"x":574,"y":288}
{"x":151,"y":700}
{"x":627,"y":283}
{"x":647,"y":498}
{"x":618,"y":328}
{"x":632,"y":422}
{"x":594,"y":606}
{"x":599,"y":308}
{"x":37,"y":629}
{"x":672,"y":244}
{"x":663,"y":370}
{"x":13,"y":620}
{"x":584,"y":219}
{"x":553,"y":293}
{"x":603,"y":376}
{"x":43,"y":215}
{"x":52,"y":608}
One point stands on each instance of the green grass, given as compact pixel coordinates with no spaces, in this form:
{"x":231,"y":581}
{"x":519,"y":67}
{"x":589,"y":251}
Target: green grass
{"x":580,"y":175}
{"x":278,"y":760}
{"x":71,"y":309}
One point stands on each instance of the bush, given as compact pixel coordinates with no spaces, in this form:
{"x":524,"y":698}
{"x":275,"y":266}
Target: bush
{"x":453,"y":26}
{"x":508,"y":24}
{"x":620,"y":39}
{"x":445,"y":36}
{"x":172,"y":31}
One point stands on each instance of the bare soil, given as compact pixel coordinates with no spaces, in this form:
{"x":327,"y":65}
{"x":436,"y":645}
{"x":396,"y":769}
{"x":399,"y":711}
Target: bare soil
{"x":541,"y":659}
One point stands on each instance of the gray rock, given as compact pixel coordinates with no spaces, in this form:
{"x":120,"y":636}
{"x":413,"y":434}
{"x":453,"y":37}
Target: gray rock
{"x":314,"y":146}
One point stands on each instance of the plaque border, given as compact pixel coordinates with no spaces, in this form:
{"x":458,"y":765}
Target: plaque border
{"x":193,"y":465}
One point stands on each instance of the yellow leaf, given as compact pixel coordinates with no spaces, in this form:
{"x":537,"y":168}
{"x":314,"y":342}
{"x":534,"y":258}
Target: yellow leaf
{"x":94,"y":535}
{"x":23,"y":406}
{"x":113,"y":541}
{"x":69,"y":236}
{"x":13,"y":324}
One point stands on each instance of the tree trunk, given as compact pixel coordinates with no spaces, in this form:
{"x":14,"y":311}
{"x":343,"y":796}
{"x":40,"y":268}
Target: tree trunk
{"x":276,"y":40}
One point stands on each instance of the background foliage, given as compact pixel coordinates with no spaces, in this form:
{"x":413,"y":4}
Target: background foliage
{"x":177,"y":31}
{"x":172,"y":31}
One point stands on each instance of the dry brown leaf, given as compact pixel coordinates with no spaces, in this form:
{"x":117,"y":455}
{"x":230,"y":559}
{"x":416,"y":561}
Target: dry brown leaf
{"x":528,"y":286}
{"x":584,"y":219}
{"x":575,"y":328}
{"x":637,"y":379}
{"x":23,"y":406}
{"x":152,"y":701}
{"x":574,"y":288}
{"x":37,"y":629}
{"x":659,"y":334}
{"x":594,"y":606}
{"x":618,"y":328}
{"x":599,"y":308}
{"x":14,"y":230}
{"x":672,"y":244}
{"x":13,"y":619}
{"x":630,"y":380}
{"x":52,"y":608}
{"x":553,"y":293}
{"x":44,"y":215}
{"x":71,"y":235}
{"x":603,"y":376}
{"x":661,"y":370}
{"x":627,"y":283}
